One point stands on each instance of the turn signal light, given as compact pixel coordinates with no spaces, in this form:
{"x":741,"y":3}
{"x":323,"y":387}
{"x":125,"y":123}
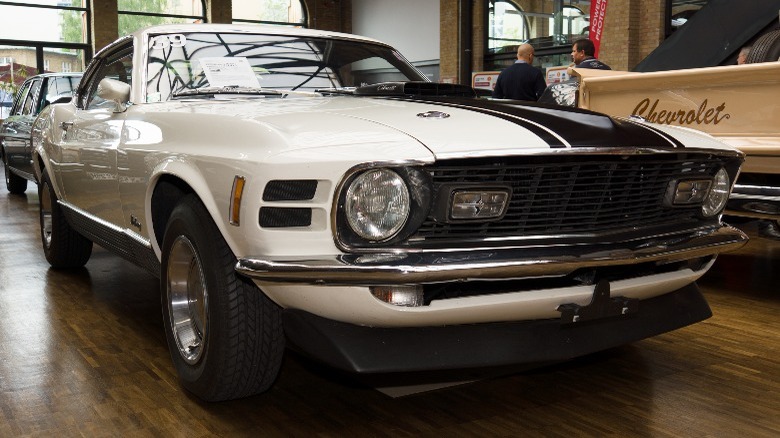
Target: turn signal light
{"x":405,"y":296}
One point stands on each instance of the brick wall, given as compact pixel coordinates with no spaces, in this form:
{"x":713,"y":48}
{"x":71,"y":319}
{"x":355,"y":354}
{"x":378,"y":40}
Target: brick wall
{"x":219,"y":11}
{"x":105,"y":23}
{"x":448,"y":40}
{"x":632,"y":29}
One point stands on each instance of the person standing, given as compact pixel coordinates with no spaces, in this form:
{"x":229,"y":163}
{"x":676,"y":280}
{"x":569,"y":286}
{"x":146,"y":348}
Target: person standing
{"x":583,"y":54}
{"x":521,"y":80}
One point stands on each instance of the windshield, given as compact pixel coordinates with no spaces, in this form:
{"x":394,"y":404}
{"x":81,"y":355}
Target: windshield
{"x":182,"y":64}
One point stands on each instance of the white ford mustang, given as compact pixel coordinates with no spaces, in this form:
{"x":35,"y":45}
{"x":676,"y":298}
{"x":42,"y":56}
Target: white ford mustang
{"x":300,"y":186}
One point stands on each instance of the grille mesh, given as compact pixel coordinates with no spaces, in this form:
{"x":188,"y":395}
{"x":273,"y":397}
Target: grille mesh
{"x":559,"y":195}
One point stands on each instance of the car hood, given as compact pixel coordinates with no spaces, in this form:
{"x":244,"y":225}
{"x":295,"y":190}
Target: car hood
{"x":447,"y":127}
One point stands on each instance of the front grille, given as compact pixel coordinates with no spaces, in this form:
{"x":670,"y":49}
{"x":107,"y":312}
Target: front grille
{"x":554,"y":195}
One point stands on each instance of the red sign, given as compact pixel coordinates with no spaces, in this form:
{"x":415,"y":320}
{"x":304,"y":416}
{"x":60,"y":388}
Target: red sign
{"x":598,"y":9}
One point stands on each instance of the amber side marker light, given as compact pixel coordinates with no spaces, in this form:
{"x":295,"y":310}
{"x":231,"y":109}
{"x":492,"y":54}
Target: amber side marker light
{"x":235,"y":200}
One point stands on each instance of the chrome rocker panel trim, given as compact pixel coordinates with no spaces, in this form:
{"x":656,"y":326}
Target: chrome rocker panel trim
{"x":495,"y":264}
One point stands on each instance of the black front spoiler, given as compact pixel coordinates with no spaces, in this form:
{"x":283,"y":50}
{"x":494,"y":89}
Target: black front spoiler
{"x":375,"y":350}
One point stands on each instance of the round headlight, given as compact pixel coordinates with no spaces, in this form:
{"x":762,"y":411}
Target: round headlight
{"x":377,"y":204}
{"x":718,"y":195}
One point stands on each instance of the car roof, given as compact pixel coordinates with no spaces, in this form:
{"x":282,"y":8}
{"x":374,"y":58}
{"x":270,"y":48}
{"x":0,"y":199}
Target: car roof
{"x":55,"y":74}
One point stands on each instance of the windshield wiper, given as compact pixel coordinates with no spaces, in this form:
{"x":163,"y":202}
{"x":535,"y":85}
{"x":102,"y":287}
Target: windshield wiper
{"x":336,"y":90}
{"x":230,"y":89}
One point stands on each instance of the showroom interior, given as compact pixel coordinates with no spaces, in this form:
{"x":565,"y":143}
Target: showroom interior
{"x":83,"y":351}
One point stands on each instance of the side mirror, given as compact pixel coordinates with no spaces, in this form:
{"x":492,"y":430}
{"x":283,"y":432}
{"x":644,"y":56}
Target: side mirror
{"x":114,"y":91}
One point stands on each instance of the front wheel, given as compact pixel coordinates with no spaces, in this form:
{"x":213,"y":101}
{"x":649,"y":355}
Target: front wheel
{"x":225,"y":336}
{"x":63,"y":246}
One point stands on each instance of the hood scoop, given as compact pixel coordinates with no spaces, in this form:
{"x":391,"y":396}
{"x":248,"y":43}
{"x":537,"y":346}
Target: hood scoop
{"x":401,"y":89}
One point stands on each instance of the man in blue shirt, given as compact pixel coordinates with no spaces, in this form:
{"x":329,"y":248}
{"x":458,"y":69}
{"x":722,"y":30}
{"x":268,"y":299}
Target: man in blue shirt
{"x":521,"y":80}
{"x":582,"y":53}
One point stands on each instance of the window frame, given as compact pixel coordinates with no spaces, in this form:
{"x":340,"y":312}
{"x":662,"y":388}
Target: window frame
{"x":201,"y":17}
{"x":304,"y":19}
{"x":93,"y":74}
{"x":39,"y":46}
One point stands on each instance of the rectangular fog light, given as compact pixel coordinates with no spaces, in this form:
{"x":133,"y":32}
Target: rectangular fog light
{"x":691,"y":192}
{"x":478,"y":204}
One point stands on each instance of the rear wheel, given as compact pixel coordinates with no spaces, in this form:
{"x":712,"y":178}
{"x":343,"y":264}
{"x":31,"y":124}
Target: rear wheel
{"x":63,"y":246}
{"x":225,"y":336}
{"x":766,"y":48}
{"x":15,"y":184}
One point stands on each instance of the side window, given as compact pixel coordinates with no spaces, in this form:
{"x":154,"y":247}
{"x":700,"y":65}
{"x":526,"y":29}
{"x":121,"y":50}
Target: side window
{"x":20,"y":97}
{"x":43,"y":92}
{"x":30,"y":103}
{"x":117,"y":65}
{"x":60,"y":87}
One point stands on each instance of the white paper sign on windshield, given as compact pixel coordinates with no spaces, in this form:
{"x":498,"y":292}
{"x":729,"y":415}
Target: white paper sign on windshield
{"x":229,"y":72}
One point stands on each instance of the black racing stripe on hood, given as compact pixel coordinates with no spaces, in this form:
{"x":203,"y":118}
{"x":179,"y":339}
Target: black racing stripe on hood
{"x":540,"y":130}
{"x":575,"y":127}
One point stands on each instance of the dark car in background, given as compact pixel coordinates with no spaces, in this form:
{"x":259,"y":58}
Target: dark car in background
{"x":33,"y":96}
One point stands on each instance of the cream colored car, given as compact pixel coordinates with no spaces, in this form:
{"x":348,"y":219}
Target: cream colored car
{"x":293,"y":185}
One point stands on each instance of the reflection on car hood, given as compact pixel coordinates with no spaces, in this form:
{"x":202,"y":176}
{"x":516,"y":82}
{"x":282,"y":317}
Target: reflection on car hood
{"x":448,"y":127}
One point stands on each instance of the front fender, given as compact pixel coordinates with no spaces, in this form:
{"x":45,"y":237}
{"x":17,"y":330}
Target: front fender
{"x":210,"y":181}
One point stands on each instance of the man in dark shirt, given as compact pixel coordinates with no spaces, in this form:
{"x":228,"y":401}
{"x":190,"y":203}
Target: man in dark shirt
{"x":521,"y":80}
{"x":582,"y":53}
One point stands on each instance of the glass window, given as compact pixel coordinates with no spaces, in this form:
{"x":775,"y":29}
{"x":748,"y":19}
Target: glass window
{"x":284,"y":12}
{"x":175,"y":64}
{"x":28,"y":108}
{"x":17,"y":108}
{"x":19,"y":64}
{"x":63,"y":60}
{"x":118,"y":66}
{"x":54,"y":31}
{"x":137,"y":14}
{"x":54,"y":21}
{"x":549,"y":25}
{"x":680,"y":11}
{"x":60,"y":86}
{"x":570,"y":21}
{"x":508,"y":25}
{"x":55,"y":88}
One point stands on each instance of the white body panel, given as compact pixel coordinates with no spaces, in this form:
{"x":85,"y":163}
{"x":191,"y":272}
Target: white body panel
{"x":107,"y":164}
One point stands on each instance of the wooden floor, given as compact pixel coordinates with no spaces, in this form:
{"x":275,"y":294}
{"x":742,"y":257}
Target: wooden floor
{"x":83,"y":354}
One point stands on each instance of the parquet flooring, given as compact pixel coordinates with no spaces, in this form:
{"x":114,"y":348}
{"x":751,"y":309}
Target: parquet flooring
{"x":83,"y":354}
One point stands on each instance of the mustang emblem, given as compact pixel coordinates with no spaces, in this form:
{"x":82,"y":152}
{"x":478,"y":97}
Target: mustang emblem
{"x":433,"y":115}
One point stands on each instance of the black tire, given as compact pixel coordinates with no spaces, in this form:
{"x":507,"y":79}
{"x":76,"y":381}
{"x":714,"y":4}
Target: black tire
{"x":15,"y":184}
{"x":765,"y":49}
{"x":224,"y":335}
{"x":63,"y":246}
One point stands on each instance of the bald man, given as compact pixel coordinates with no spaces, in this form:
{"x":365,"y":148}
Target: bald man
{"x":521,"y":80}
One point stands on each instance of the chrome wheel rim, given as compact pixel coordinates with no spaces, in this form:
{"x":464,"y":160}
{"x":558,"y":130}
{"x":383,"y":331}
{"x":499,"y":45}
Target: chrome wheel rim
{"x":46,"y":222}
{"x":187,"y":300}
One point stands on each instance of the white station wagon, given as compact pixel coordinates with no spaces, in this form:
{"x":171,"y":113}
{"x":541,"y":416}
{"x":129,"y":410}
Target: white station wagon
{"x":313,"y":188}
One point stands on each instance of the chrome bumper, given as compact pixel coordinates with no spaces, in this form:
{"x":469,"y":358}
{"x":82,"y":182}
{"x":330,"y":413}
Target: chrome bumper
{"x":761,"y":202}
{"x":489,"y":264}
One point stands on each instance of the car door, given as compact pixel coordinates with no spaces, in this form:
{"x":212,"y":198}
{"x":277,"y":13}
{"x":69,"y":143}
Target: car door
{"x":88,"y":148}
{"x":15,"y":133}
